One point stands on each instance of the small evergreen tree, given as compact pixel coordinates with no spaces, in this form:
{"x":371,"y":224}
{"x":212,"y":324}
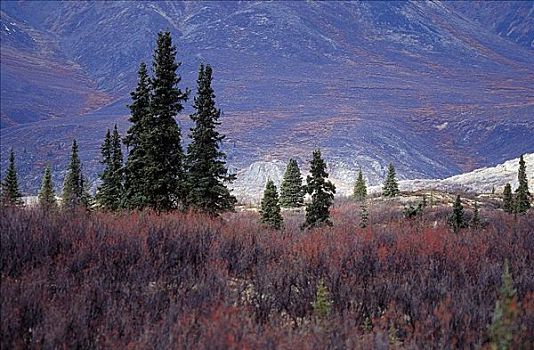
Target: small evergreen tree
{"x":207,"y":174}
{"x":505,"y":313}
{"x":47,"y":196}
{"x":291,"y":189}
{"x":11,"y":195}
{"x":270,"y":208}
{"x":391,"y":187}
{"x":522,"y":194}
{"x":322,"y":193}
{"x":508,"y":199}
{"x":364,"y":215}
{"x":360,"y":188}
{"x":412,"y":212}
{"x":475,"y":220}
{"x":74,"y":192}
{"x":456,"y":219}
{"x":322,"y":304}
{"x":136,"y":189}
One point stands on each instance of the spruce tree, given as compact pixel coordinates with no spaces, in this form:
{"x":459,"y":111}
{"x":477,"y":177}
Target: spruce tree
{"x":322,"y":193}
{"x":74,"y":193}
{"x":508,"y":199}
{"x":456,"y":219}
{"x":118,"y":170}
{"x":391,"y":187}
{"x":522,"y":195}
{"x":291,"y":189}
{"x":109,"y":193}
{"x":322,"y":304}
{"x":360,"y":188}
{"x":136,"y":189}
{"x":504,"y":315}
{"x":164,"y":173}
{"x":270,"y":207}
{"x":207,"y":174}
{"x":475,"y":220}
{"x":11,"y":195}
{"x":47,"y":196}
{"x":102,"y":193}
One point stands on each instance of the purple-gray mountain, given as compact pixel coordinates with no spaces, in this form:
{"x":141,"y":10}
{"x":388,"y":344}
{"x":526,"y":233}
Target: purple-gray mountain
{"x":435,"y":87}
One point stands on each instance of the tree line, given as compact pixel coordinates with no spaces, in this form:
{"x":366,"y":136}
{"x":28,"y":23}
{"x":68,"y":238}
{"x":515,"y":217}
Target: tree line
{"x":157,"y":174}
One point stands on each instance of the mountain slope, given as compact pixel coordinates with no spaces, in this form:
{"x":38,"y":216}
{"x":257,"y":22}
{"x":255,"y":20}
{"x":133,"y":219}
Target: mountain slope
{"x":426,"y":85}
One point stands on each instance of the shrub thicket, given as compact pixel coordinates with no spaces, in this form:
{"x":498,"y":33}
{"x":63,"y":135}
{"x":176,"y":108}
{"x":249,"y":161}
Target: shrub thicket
{"x":77,"y":279}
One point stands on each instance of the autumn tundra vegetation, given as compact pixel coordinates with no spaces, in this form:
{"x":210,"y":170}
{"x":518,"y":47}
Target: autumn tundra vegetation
{"x":159,"y":257}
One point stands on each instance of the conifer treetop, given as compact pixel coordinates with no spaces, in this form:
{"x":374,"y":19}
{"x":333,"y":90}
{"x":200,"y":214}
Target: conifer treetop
{"x":291,"y":190}
{"x":11,"y":194}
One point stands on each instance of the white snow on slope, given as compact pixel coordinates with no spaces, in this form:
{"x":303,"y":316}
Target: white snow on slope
{"x":250,"y":183}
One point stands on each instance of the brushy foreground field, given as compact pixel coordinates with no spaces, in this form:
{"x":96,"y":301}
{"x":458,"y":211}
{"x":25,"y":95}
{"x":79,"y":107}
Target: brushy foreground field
{"x":152,"y":281}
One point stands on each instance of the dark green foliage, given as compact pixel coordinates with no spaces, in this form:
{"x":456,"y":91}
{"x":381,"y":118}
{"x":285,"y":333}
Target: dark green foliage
{"x":364,"y":215}
{"x":522,"y":195}
{"x":503,"y":320}
{"x":154,"y":174}
{"x":391,"y":187}
{"x":73,"y":186}
{"x":456,"y":220}
{"x":360,"y":188}
{"x":136,"y":140}
{"x":507,"y":199}
{"x":10,"y":186}
{"x":205,"y":162}
{"x":412,"y":212}
{"x":164,"y":173}
{"x":109,"y":193}
{"x":475,"y":220}
{"x":321,"y":191}
{"x":291,"y":189}
{"x":47,"y":196}
{"x":270,"y":208}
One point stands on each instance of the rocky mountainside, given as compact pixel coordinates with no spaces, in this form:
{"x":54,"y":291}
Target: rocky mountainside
{"x":251,"y":181}
{"x":430,"y":86}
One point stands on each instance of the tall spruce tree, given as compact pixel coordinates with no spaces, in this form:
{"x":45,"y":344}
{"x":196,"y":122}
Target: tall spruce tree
{"x":207,"y":174}
{"x":47,"y":196}
{"x":164,"y":172}
{"x":11,"y":195}
{"x":322,"y":193}
{"x":456,"y":220}
{"x":109,"y":193}
{"x":508,"y":199}
{"x":102,"y":193}
{"x":74,"y":191}
{"x":360,"y":188}
{"x":270,"y":207}
{"x":391,"y":187}
{"x":118,"y":168}
{"x":136,"y":189}
{"x":522,"y":194}
{"x":291,"y":189}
